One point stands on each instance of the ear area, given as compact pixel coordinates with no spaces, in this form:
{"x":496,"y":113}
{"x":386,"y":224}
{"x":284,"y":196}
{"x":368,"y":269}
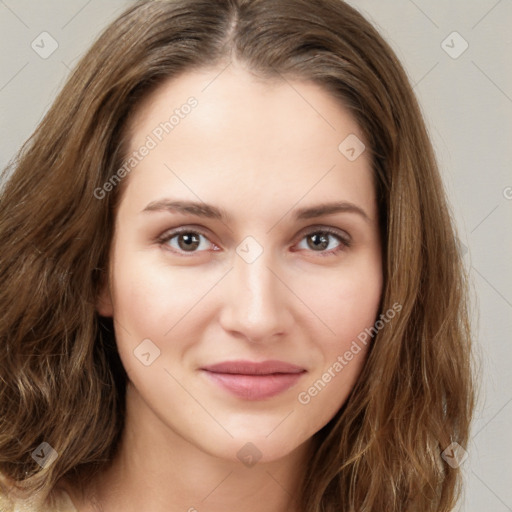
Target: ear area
{"x":104,"y":304}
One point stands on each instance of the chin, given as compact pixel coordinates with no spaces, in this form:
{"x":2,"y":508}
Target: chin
{"x":251,"y":446}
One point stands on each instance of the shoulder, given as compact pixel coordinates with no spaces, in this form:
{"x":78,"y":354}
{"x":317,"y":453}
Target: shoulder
{"x":61,"y":502}
{"x":58,"y":501}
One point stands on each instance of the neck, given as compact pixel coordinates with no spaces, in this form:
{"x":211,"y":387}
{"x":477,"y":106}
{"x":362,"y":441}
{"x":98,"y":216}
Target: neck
{"x":156,"y":469}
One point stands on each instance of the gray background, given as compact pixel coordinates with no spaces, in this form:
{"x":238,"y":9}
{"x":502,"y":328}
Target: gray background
{"x":467,"y":103}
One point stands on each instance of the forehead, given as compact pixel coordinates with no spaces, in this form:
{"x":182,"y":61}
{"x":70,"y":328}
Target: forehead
{"x":278,"y":138}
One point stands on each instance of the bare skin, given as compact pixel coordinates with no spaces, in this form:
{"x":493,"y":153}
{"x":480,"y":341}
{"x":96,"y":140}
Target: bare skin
{"x":258,"y":151}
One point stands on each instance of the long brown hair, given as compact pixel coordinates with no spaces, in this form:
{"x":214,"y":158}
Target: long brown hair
{"x":61,"y":381}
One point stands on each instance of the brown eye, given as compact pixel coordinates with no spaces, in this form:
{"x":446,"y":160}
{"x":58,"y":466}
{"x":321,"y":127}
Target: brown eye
{"x":318,"y":241}
{"x":188,"y":241}
{"x":325,"y":242}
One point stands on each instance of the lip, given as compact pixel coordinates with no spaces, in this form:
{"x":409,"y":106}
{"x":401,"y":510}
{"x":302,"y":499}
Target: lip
{"x":254,"y":381}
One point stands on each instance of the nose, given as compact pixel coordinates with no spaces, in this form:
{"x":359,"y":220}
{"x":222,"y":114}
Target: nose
{"x":256,"y":306}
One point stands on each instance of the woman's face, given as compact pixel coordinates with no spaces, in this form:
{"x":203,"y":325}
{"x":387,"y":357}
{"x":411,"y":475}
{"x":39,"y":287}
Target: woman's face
{"x":246,"y":234}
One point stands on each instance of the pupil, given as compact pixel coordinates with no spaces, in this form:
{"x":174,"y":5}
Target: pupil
{"x":191,"y":241}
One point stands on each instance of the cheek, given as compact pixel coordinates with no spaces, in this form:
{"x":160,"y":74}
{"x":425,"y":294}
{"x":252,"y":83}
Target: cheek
{"x":349,"y":309}
{"x":144,"y":305}
{"x":347,"y":301}
{"x":150,"y":297}
{"x":358,"y":301}
{"x":156,"y":302}
{"x":150,"y":303}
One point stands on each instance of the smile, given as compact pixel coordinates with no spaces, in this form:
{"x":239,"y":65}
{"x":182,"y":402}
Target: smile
{"x":254,"y":381}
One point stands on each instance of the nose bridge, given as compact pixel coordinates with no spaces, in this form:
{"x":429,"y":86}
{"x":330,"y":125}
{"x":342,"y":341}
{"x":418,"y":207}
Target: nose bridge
{"x":259,"y":282}
{"x":255,"y":304}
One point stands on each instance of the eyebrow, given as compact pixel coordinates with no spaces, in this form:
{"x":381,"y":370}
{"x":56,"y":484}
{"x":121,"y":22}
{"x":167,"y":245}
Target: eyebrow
{"x":201,"y":209}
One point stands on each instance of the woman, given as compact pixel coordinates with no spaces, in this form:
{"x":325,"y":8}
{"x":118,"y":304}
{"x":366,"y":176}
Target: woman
{"x":230,"y":277}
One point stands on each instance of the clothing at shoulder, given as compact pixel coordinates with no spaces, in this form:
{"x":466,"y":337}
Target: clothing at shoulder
{"x":59,"y":502}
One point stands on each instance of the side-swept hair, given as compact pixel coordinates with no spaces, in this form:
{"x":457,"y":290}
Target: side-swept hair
{"x":61,"y":380}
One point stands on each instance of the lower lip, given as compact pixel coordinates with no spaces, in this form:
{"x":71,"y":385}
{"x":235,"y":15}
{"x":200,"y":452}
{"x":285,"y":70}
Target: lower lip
{"x":255,"y":387}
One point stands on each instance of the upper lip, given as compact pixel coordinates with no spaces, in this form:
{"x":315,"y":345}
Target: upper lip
{"x":253,"y":368}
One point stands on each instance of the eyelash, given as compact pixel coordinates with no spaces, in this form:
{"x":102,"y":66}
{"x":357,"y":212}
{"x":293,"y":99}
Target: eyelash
{"x":345,"y":242}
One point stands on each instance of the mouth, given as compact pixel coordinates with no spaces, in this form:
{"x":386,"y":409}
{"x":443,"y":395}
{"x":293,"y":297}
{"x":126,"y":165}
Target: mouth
{"x":254,"y":381}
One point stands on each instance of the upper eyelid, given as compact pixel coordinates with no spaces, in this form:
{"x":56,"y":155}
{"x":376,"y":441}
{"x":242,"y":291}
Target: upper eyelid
{"x":328,"y":229}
